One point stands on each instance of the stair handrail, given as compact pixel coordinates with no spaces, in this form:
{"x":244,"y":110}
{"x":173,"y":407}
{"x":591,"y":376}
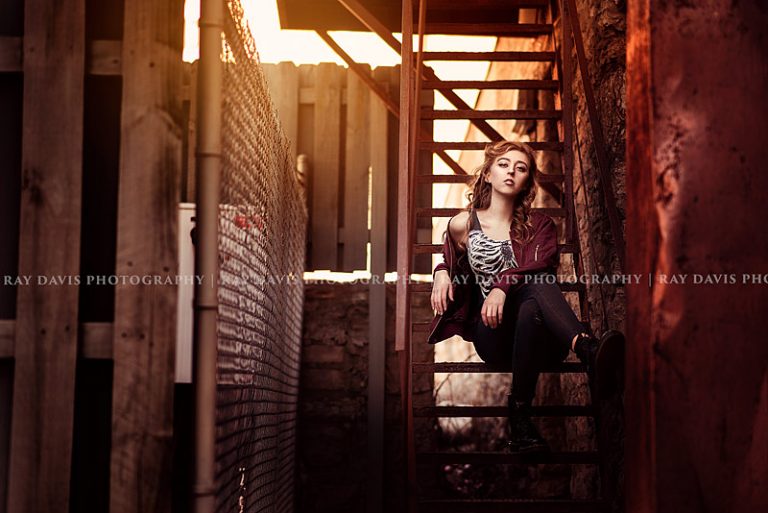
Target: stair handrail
{"x":597,"y":129}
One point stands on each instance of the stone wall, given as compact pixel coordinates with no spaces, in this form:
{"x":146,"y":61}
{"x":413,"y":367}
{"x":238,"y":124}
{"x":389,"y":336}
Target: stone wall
{"x":603,"y":26}
{"x":332,"y":458}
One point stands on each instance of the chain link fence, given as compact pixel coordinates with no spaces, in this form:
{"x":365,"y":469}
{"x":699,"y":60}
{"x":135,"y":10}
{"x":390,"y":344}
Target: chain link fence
{"x":262,"y":242}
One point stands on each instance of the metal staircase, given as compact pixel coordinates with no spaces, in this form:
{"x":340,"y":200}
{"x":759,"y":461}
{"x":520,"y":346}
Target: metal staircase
{"x":481,"y":17}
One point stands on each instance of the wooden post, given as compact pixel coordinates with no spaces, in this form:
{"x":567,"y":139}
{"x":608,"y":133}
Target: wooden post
{"x":283,"y":81}
{"x":377,"y":302}
{"x":357,"y":160}
{"x":190,"y":144}
{"x":325,"y":200}
{"x":145,"y":315}
{"x":49,"y":245}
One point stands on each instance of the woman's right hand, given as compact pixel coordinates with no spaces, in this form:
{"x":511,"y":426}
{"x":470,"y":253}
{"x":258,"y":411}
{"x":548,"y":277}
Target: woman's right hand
{"x":442,"y":291}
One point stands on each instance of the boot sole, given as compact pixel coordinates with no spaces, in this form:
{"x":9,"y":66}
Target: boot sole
{"x":609,"y":363}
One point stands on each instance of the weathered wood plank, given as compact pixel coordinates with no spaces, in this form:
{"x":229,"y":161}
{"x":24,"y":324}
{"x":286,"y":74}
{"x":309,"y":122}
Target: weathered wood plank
{"x":283,"y":81}
{"x":7,"y":337}
{"x":325,"y":176}
{"x":104,"y":57}
{"x":378,"y":143}
{"x":145,"y":315}
{"x":422,"y":192}
{"x":357,"y":161}
{"x":49,"y":244}
{"x":96,"y":339}
{"x":10,"y":54}
{"x":393,"y":157}
{"x":190,"y":161}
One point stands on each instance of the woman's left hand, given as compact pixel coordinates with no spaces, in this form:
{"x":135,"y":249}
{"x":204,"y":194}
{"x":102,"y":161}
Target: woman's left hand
{"x":493,"y":308}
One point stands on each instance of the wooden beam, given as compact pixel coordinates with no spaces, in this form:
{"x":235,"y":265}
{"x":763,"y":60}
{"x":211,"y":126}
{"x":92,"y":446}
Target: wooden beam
{"x":404,"y":203}
{"x":10,"y":54}
{"x":327,"y":159}
{"x":145,"y":315}
{"x":356,"y":165}
{"x":7,"y":337}
{"x":49,"y":245}
{"x":377,"y":303}
{"x":405,"y":223}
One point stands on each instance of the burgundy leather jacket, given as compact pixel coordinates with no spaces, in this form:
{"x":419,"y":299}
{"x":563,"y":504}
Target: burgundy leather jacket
{"x":539,"y":254}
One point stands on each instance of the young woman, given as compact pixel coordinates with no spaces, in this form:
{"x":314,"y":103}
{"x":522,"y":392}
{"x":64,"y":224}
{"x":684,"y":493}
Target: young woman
{"x":492,"y":287}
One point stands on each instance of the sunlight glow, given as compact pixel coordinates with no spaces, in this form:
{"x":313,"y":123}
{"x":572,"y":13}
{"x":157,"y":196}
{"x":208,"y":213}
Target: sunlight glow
{"x":276,"y":45}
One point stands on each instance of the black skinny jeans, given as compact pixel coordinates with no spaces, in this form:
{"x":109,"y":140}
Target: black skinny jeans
{"x":536,"y":330}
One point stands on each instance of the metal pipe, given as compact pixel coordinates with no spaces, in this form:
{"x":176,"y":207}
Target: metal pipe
{"x":208,"y":178}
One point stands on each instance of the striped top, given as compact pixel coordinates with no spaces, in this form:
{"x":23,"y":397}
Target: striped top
{"x":487,"y":257}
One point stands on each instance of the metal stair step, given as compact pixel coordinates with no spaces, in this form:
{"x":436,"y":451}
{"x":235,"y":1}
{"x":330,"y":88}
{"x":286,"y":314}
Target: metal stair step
{"x":450,"y":212}
{"x":541,"y":177}
{"x":513,"y":505}
{"x":463,"y":5}
{"x":490,"y":114}
{"x":486,"y":29}
{"x":421,"y":249}
{"x":508,"y":458}
{"x":488,"y":56}
{"x":423,"y":327}
{"x":477,"y":11}
{"x":558,"y":410}
{"x":478,"y":367}
{"x":479,"y":146}
{"x":490,"y":84}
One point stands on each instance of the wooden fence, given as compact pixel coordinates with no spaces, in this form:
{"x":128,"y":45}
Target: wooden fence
{"x":326,"y":110}
{"x":96,"y":152}
{"x":90,"y":156}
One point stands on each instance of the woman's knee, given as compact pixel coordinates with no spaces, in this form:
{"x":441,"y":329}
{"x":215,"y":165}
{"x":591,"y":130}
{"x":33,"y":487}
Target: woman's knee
{"x":529,"y":313}
{"x":539,"y":289}
{"x":492,"y":354}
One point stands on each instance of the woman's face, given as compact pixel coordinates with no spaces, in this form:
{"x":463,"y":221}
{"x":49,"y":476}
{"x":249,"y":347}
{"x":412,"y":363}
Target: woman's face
{"x":509,"y":173}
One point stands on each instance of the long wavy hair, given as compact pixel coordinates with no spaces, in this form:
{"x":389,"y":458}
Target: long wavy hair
{"x":479,"y":195}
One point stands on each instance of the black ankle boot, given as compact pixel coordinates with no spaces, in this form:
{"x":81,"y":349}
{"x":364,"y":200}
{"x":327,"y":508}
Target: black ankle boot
{"x":522,"y":433}
{"x":586,"y":349}
{"x":603,"y":361}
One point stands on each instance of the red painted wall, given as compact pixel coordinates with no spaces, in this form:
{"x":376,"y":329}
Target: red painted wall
{"x":697,"y":185}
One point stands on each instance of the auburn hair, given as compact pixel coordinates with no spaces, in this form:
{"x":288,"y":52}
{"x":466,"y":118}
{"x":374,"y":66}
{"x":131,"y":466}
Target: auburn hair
{"x":479,"y":195}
